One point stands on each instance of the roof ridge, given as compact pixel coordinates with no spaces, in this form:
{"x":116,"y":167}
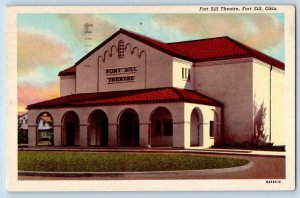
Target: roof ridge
{"x":177,"y":51}
{"x":132,"y":32}
{"x":240,"y":45}
{"x":194,"y":40}
{"x":250,"y":50}
{"x":195,"y":92}
{"x":177,"y":91}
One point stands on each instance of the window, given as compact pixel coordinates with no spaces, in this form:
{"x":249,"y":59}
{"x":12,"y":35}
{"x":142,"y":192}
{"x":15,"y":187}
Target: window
{"x":121,"y":49}
{"x":168,"y":127}
{"x":157,"y":127}
{"x":211,"y":128}
{"x":186,"y":74}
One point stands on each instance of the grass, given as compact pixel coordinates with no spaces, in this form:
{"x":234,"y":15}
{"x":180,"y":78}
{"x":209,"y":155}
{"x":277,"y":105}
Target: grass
{"x":62,"y":161}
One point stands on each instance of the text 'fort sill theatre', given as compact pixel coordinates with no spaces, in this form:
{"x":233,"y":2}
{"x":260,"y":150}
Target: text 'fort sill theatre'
{"x":135,"y":91}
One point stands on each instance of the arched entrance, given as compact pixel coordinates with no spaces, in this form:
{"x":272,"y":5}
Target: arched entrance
{"x":196,"y":128}
{"x":213,"y":126}
{"x":161,"y":127}
{"x":45,"y":136}
{"x":70,"y":126}
{"x":98,"y":129}
{"x":129,"y":130}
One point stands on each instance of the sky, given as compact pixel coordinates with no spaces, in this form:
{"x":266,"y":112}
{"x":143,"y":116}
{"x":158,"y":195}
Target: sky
{"x":49,"y":43}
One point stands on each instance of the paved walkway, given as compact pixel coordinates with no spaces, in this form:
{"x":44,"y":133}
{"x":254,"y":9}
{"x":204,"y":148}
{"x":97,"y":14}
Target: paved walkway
{"x":266,"y":165}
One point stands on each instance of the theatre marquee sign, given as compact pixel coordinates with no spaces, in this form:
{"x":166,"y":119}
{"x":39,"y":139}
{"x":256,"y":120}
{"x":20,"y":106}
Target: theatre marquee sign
{"x":121,"y":75}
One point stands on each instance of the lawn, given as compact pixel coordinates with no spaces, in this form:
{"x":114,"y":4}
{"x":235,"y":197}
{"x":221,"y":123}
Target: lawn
{"x":62,"y":161}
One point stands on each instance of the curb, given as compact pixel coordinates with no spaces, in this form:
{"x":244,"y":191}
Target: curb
{"x":116,"y":174}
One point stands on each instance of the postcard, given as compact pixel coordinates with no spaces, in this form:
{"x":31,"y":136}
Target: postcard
{"x":151,"y":98}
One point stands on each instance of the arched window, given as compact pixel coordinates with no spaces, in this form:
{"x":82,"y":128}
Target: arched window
{"x":45,"y":133}
{"x":121,"y":49}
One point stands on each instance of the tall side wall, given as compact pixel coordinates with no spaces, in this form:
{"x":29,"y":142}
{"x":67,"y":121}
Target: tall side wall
{"x":230,"y":82}
{"x":261,"y":97}
{"x":268,"y":90}
{"x":277,"y":107}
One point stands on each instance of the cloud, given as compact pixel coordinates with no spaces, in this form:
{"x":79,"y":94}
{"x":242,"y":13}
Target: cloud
{"x":260,"y":31}
{"x":100,"y":29}
{"x":36,"y":49}
{"x":29,"y":94}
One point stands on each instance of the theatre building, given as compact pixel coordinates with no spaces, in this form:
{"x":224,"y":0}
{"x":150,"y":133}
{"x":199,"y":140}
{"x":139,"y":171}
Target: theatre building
{"x":135,"y":91}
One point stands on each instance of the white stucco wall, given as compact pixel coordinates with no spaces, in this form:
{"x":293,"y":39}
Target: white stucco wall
{"x":261,"y":91}
{"x":178,"y":81}
{"x":277,"y":107}
{"x":208,"y":113}
{"x":67,"y":85}
{"x":113,"y":112}
{"x":272,"y":95}
{"x":230,"y":82}
{"x":152,"y":67}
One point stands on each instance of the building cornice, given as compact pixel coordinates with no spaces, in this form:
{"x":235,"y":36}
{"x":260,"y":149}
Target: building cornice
{"x":223,"y":62}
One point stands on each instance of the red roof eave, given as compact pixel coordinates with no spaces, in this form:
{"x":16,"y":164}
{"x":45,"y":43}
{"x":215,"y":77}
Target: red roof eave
{"x":68,"y":71}
{"x":158,"y":95}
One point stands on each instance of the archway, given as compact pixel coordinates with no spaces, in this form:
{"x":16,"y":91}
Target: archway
{"x":213,"y":126}
{"x":98,"y":129}
{"x":129,"y":130}
{"x":161,"y":127}
{"x":45,"y":135}
{"x":196,"y":124}
{"x":70,"y":126}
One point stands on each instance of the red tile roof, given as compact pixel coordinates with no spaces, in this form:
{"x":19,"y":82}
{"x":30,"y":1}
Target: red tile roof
{"x":196,"y":50}
{"x":127,"y":97}
{"x":222,"y":48}
{"x":68,"y":71}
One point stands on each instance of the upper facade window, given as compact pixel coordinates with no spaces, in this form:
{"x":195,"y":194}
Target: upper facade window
{"x":186,"y":74}
{"x":121,"y":49}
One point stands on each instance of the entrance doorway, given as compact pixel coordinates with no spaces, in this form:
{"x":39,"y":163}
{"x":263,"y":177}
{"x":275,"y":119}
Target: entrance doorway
{"x":70,"y":134}
{"x":70,"y":127}
{"x":196,"y":128}
{"x":129,"y":129}
{"x":161,"y":127}
{"x":98,"y":130}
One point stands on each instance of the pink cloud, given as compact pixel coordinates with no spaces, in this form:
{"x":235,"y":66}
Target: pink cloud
{"x":260,"y":31}
{"x":35,"y":49}
{"x":29,"y":94}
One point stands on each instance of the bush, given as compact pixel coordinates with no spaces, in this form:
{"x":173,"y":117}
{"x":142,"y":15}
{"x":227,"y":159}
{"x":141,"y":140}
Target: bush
{"x":22,"y":136}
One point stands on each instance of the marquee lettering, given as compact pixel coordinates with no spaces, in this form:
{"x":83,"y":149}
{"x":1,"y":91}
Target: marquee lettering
{"x":121,"y":79}
{"x":120,"y":71}
{"x":115,"y":71}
